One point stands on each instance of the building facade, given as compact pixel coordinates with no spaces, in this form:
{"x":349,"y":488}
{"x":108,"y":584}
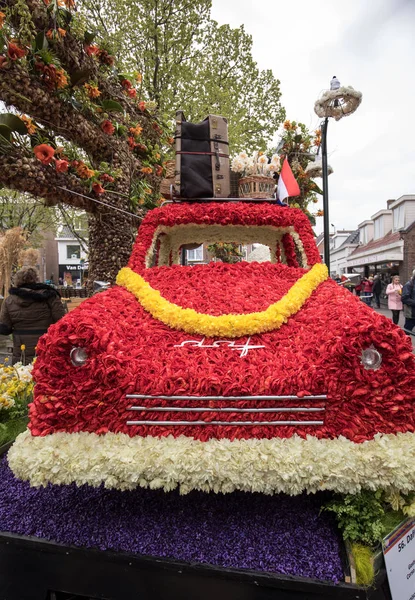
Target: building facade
{"x":387,"y":241}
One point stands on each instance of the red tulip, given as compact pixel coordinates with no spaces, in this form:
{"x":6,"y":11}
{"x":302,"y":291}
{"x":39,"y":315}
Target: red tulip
{"x":44,"y":153}
{"x":61,"y":166}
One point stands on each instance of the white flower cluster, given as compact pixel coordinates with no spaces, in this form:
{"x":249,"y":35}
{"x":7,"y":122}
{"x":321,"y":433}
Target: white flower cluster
{"x":257,"y":164}
{"x":338,"y":103}
{"x":24,"y":371}
{"x":290,"y":465}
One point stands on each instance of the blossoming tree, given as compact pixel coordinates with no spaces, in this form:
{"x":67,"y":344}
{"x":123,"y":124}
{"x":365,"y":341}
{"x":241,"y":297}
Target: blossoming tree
{"x":78,"y":131}
{"x":299,"y":145}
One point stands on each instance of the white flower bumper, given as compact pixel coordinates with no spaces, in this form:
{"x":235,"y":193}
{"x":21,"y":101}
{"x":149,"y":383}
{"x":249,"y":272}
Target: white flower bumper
{"x":291,"y":465}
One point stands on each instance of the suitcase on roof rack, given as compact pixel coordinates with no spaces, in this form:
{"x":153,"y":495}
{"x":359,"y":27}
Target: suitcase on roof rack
{"x":202,"y":158}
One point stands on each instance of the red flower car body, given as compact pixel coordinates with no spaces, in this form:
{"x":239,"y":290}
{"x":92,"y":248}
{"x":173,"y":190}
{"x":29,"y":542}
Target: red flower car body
{"x":281,"y":403}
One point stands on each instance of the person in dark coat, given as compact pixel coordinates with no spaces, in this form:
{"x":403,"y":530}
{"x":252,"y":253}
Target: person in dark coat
{"x":408,"y":301}
{"x":377,"y":289}
{"x":28,"y":311}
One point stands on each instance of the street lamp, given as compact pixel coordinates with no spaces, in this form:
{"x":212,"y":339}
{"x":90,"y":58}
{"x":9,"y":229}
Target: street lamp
{"x":337,"y":102}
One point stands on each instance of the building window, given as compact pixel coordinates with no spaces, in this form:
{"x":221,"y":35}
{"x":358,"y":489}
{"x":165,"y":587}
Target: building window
{"x":379,"y":232}
{"x":399,"y":217}
{"x":73,"y":251}
{"x":196,"y":254}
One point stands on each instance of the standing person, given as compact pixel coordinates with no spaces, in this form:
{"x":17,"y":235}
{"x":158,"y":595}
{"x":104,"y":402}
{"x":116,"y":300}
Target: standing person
{"x":377,"y":289}
{"x":367,"y":285}
{"x":358,"y":288}
{"x":408,"y":300}
{"x":394,"y":292}
{"x":28,"y":312}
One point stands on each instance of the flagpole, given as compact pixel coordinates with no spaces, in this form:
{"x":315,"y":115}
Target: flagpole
{"x":326,"y":221}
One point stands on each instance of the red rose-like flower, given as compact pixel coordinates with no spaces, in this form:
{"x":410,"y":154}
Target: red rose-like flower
{"x":91,"y":49}
{"x":126,"y":84}
{"x":142,"y":105}
{"x":106,"y":177}
{"x":159,"y":170}
{"x":132,"y":143}
{"x":44,"y":153}
{"x":107,"y":127}
{"x":14,"y":51}
{"x":132,"y":93}
{"x":61,"y":166}
{"x":98,"y":189}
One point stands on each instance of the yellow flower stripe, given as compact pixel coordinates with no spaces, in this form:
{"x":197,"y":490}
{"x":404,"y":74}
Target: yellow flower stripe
{"x":228,"y":326}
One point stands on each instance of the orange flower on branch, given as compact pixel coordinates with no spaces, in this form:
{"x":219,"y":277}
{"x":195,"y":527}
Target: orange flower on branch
{"x":15,"y":51}
{"x":142,"y":105}
{"x":146,"y":170}
{"x":44,"y":153}
{"x":2,"y":19}
{"x":132,"y":93}
{"x":84,"y":171}
{"x":137,"y":130}
{"x":31,"y":127}
{"x":131,"y":143}
{"x":61,"y":79}
{"x":91,"y":49}
{"x":98,"y":189}
{"x":138,"y":77}
{"x":107,"y":127}
{"x":61,"y":166}
{"x":92,"y":90}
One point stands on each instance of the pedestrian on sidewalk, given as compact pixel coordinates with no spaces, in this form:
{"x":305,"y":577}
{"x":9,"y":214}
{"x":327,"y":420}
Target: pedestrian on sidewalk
{"x":376,"y":289}
{"x":367,"y":285}
{"x":408,"y":300}
{"x":28,"y":311}
{"x":394,"y":293}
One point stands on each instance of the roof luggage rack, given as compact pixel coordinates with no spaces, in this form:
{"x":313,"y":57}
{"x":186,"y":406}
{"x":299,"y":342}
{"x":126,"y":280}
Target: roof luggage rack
{"x":178,"y":199}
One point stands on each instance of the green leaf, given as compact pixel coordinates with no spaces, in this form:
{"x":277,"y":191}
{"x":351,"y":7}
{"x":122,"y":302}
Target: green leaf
{"x":89,"y":37}
{"x":112,"y":106}
{"x":66,"y":15}
{"x":5,"y":133}
{"x":40,"y":42}
{"x":80,"y":77}
{"x":13,"y":123}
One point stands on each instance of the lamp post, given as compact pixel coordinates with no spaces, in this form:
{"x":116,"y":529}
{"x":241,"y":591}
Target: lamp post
{"x":337,"y":102}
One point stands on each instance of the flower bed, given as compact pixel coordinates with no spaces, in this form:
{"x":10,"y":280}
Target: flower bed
{"x":16,"y":389}
{"x":247,"y":531}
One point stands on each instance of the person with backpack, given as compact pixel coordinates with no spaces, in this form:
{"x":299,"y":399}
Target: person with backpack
{"x":408,"y":301}
{"x":27,"y":313}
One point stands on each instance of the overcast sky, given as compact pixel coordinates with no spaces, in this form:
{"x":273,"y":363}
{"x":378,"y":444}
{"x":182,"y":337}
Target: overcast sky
{"x":368,"y":44}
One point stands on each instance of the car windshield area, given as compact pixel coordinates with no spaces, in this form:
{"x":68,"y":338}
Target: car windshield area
{"x":194,"y":244}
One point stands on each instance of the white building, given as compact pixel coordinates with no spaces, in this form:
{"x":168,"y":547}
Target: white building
{"x":72,"y":257}
{"x":387,"y":240}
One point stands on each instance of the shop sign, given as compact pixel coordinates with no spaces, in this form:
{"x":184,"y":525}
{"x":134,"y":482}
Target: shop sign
{"x":399,"y":553}
{"x":74,"y":267}
{"x":374,"y":259}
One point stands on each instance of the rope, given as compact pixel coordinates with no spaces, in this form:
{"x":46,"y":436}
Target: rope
{"x":126,"y":212}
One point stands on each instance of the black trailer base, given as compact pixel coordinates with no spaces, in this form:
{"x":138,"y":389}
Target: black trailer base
{"x":35,"y":569}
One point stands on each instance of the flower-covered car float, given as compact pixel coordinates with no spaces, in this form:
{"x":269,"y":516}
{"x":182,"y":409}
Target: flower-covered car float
{"x":263,"y":377}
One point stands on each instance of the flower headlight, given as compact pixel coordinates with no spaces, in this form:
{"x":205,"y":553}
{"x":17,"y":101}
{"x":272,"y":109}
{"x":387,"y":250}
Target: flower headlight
{"x":78,"y":357}
{"x":371,"y":358}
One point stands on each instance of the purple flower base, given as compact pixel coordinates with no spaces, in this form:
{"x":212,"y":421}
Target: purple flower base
{"x":280,"y":534}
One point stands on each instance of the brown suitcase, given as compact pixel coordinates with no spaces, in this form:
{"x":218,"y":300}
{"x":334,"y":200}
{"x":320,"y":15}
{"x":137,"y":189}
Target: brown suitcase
{"x":202,"y":158}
